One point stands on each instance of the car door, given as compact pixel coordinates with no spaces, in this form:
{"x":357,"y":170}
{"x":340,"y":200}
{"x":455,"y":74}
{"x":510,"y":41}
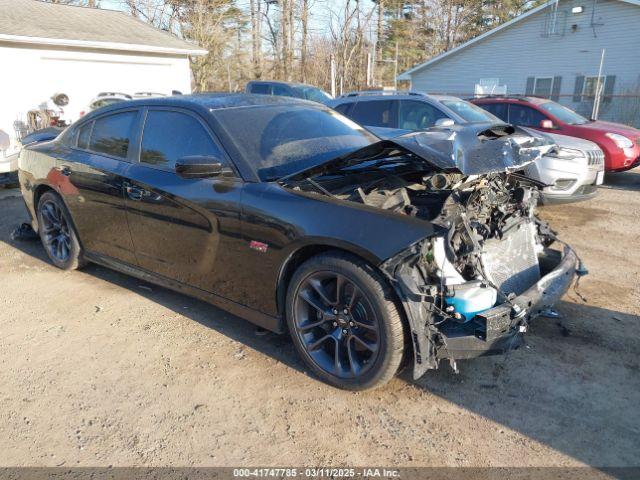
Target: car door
{"x":182,"y":228}
{"x":91,"y":178}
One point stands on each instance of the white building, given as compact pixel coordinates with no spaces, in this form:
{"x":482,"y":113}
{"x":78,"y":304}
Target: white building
{"x":50,"y":48}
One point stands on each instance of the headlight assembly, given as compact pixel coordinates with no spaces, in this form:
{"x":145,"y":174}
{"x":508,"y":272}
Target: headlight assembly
{"x":620,"y":140}
{"x":566,"y":153}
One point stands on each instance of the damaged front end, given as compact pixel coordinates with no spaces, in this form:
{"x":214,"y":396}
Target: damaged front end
{"x":471,"y":288}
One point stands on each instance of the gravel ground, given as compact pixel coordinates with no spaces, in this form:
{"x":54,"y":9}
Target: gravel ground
{"x":99,"y":369}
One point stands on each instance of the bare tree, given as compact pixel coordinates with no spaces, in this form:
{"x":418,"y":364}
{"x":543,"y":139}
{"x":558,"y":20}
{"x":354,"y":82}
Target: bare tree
{"x":158,"y":13}
{"x":255,"y":10}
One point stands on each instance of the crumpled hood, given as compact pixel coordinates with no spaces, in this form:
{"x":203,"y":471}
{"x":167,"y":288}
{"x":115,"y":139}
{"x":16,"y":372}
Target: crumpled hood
{"x":479,"y":148}
{"x":472,"y":149}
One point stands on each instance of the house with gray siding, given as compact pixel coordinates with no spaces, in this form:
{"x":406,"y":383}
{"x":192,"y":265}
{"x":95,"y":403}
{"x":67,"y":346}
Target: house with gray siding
{"x":554,"y":50}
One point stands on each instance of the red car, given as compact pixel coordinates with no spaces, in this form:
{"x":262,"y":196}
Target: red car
{"x":620,"y":143}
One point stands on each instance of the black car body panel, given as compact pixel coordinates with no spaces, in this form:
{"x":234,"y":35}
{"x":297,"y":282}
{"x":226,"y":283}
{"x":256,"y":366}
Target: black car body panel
{"x":234,"y":240}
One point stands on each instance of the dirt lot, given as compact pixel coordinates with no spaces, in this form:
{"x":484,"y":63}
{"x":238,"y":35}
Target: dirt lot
{"x":100,"y":369}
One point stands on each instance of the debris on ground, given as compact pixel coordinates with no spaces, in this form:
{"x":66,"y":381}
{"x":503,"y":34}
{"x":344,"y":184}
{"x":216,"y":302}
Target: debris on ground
{"x":25,"y":233}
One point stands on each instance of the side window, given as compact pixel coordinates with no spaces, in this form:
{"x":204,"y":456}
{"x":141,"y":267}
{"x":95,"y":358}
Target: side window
{"x":83,"y":136}
{"x":169,"y":136}
{"x":343,"y":109}
{"x":374,"y":113}
{"x":526,"y":116}
{"x":112,"y":134}
{"x":281,"y":90}
{"x":260,"y":88}
{"x":69,"y":137}
{"x":418,"y":115}
{"x":500,"y":110}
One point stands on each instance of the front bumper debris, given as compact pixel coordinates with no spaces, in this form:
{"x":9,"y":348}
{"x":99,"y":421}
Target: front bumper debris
{"x":500,"y":328}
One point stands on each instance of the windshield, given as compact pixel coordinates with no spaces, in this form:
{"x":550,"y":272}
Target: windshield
{"x":563,"y":114}
{"x":280,"y":140}
{"x":311,"y":93}
{"x":470,"y":112}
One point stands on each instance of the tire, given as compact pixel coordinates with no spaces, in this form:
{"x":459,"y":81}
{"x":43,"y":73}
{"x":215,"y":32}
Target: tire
{"x":339,"y":349}
{"x":58,"y":234}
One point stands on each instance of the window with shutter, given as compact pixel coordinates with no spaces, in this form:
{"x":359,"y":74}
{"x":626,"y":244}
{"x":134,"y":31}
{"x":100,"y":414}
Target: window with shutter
{"x":577,"y":89}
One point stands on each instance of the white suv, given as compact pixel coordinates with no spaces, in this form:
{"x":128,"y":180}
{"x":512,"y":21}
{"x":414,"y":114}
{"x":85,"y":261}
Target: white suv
{"x":571,"y":172}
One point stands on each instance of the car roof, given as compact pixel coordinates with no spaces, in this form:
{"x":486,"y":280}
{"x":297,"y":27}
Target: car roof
{"x":364,"y":96}
{"x":513,"y":98}
{"x":280,"y":82}
{"x":441,"y":98}
{"x":205,"y":102}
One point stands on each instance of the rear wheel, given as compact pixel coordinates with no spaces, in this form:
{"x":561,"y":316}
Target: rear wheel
{"x":344,"y":322}
{"x":57,"y":233}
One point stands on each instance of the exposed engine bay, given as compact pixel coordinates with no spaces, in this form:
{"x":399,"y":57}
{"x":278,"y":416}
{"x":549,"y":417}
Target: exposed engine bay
{"x":489,"y":221}
{"x":490,"y":249}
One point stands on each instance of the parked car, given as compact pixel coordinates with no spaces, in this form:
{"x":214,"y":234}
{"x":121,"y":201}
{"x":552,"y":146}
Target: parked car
{"x":288,"y":89}
{"x":572,"y":171}
{"x":9,"y":170}
{"x":149,"y":95}
{"x":620,"y":143}
{"x":9,"y":165}
{"x":568,"y":173}
{"x":361,"y":248}
{"x":107,"y":98}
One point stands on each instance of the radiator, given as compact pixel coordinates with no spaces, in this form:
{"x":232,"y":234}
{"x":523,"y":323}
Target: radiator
{"x":511,"y":263}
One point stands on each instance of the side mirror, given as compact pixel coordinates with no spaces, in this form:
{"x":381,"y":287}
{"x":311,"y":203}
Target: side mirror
{"x":444,"y":122}
{"x":546,"y":124}
{"x":199,"y":166}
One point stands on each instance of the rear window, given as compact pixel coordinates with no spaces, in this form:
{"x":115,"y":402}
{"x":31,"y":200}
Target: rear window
{"x":112,"y":134}
{"x":259,"y":88}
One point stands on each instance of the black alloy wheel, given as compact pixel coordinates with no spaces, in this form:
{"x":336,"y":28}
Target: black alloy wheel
{"x":337,"y":324}
{"x":57,"y":233}
{"x":344,"y":322}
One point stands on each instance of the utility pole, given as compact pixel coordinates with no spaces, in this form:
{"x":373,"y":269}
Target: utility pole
{"x":599,"y":88}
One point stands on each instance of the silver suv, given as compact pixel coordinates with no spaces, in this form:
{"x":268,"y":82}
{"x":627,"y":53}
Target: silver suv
{"x":571,"y":172}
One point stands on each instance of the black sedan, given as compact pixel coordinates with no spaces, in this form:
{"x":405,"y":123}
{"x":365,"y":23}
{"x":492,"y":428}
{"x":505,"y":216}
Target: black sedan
{"x":290,"y":215}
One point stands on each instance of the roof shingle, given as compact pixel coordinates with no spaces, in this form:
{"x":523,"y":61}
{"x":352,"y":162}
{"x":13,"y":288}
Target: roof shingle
{"x":34,"y":18}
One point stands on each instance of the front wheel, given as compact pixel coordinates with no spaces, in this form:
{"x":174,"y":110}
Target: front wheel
{"x":57,"y":233}
{"x":344,"y":322}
